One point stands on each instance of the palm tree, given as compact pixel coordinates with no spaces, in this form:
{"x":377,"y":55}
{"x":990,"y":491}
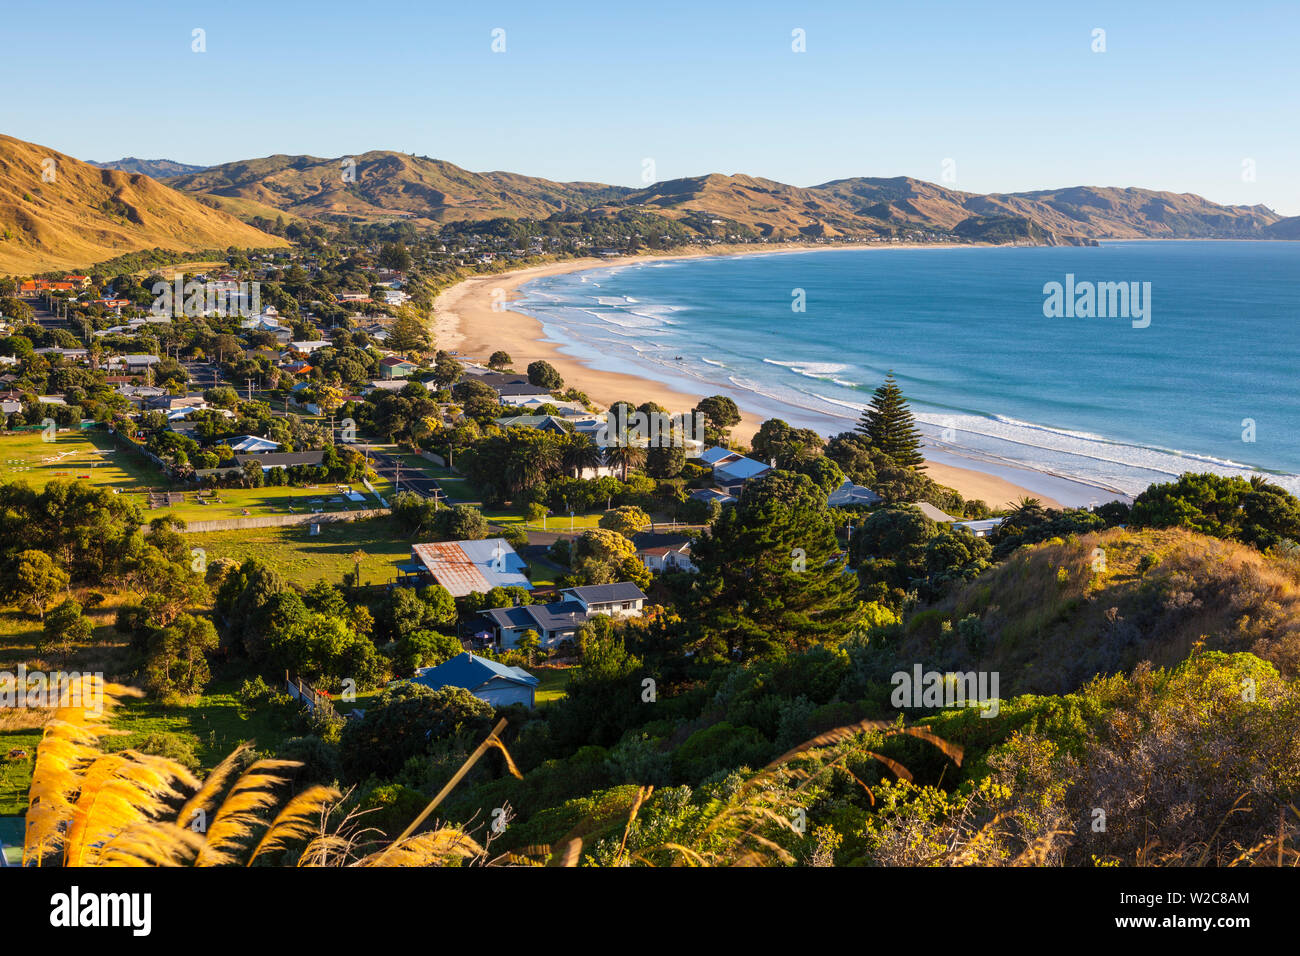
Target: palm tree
{"x":625,"y":457}
{"x":577,"y":453}
{"x":357,"y":557}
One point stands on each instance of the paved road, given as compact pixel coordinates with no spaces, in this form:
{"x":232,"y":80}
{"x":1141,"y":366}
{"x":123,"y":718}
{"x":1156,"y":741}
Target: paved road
{"x":403,"y":476}
{"x":203,"y":375}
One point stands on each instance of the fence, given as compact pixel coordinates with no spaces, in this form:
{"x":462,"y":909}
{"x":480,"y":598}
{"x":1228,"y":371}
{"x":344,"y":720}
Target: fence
{"x":276,"y":521}
{"x":310,"y":696}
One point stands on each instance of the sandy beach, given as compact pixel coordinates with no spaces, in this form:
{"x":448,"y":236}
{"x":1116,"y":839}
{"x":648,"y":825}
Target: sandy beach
{"x":471,"y":319}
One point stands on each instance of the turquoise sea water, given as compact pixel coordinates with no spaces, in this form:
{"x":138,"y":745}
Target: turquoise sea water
{"x":991,"y":379}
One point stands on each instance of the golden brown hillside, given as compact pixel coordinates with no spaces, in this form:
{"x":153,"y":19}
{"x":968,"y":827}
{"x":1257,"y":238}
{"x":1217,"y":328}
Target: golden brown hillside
{"x":427,"y":191}
{"x":1051,"y":617}
{"x":386,"y":184}
{"x":87,"y":215}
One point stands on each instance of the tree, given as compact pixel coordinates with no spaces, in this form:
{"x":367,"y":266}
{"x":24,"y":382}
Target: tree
{"x":625,"y":457}
{"x":410,"y":336}
{"x":777,"y":441}
{"x":770,"y":581}
{"x":578,"y":453}
{"x":720,"y":415}
{"x":65,"y":626}
{"x":627,"y":520}
{"x":463,"y":523}
{"x":425,"y":649}
{"x":1256,"y":512}
{"x":888,"y":423}
{"x":599,"y":556}
{"x":177,"y":662}
{"x":543,"y":375}
{"x":395,"y":256}
{"x":32,"y":581}
{"x":528,"y":643}
{"x":889,"y":548}
{"x":446,"y":370}
{"x":411,"y":721}
{"x":499,"y":359}
{"x":665,"y":461}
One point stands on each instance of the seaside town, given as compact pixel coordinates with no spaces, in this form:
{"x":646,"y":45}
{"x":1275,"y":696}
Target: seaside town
{"x":282,"y":507}
{"x":768,"y":452}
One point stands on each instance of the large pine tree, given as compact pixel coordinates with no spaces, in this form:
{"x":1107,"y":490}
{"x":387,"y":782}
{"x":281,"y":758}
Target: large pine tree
{"x":887,"y":421}
{"x":771,"y":580}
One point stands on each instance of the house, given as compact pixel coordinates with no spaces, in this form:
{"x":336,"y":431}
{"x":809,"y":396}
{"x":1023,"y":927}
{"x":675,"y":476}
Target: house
{"x":663,"y":551}
{"x":291,"y":459}
{"x":933,"y":513}
{"x":981,"y":527}
{"x":466,"y":567}
{"x":568,"y":409}
{"x":712,"y":494}
{"x":849,"y":494}
{"x":731,"y":475}
{"x":139,"y":394}
{"x":308,"y":346}
{"x":133,"y":363}
{"x":559,"y":621}
{"x":543,"y":423}
{"x":168,"y":403}
{"x":70,"y":355}
{"x":394,"y":366}
{"x":252,"y":444}
{"x":731,"y":469}
{"x":487,"y":680}
{"x":507,"y":387}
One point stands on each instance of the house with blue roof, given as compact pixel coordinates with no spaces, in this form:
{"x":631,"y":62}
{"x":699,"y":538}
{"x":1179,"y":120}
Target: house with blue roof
{"x":487,"y":680}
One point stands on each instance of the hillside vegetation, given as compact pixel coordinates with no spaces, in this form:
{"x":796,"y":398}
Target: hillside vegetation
{"x":87,"y":215}
{"x":1056,"y":614}
{"x":389,"y":184}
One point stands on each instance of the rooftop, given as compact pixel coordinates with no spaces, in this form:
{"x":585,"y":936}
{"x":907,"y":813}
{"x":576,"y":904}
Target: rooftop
{"x":465,"y":567}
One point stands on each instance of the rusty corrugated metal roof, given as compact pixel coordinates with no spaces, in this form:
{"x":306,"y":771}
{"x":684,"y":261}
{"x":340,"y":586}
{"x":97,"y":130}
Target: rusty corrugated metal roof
{"x":451,"y":567}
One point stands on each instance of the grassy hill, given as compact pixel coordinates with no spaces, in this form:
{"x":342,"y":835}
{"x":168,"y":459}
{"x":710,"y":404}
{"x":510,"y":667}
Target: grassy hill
{"x":153,"y":168}
{"x":1048,"y":621}
{"x":87,"y":215}
{"x":389,"y":184}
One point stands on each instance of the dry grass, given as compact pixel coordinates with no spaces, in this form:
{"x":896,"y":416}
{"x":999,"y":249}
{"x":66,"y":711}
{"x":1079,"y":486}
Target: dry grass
{"x":1052,"y":620}
{"x":88,"y":215}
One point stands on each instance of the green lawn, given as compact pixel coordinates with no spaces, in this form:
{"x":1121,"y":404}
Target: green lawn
{"x":93,"y":456}
{"x":554,"y":683}
{"x":270,"y":500}
{"x":306,"y":559}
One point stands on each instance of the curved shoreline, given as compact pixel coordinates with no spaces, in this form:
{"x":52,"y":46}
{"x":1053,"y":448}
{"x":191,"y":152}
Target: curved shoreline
{"x":471,"y":320}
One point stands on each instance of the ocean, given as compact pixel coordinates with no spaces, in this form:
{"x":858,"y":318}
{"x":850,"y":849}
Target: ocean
{"x":1195,"y":372}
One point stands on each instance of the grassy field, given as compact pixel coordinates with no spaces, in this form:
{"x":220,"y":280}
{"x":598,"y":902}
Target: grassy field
{"x":306,"y":559}
{"x":92,"y":456}
{"x":554,"y":683}
{"x":245,"y":502}
{"x":213,"y":725}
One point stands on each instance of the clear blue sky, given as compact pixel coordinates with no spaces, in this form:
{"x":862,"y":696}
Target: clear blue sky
{"x":1011,"y":91}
